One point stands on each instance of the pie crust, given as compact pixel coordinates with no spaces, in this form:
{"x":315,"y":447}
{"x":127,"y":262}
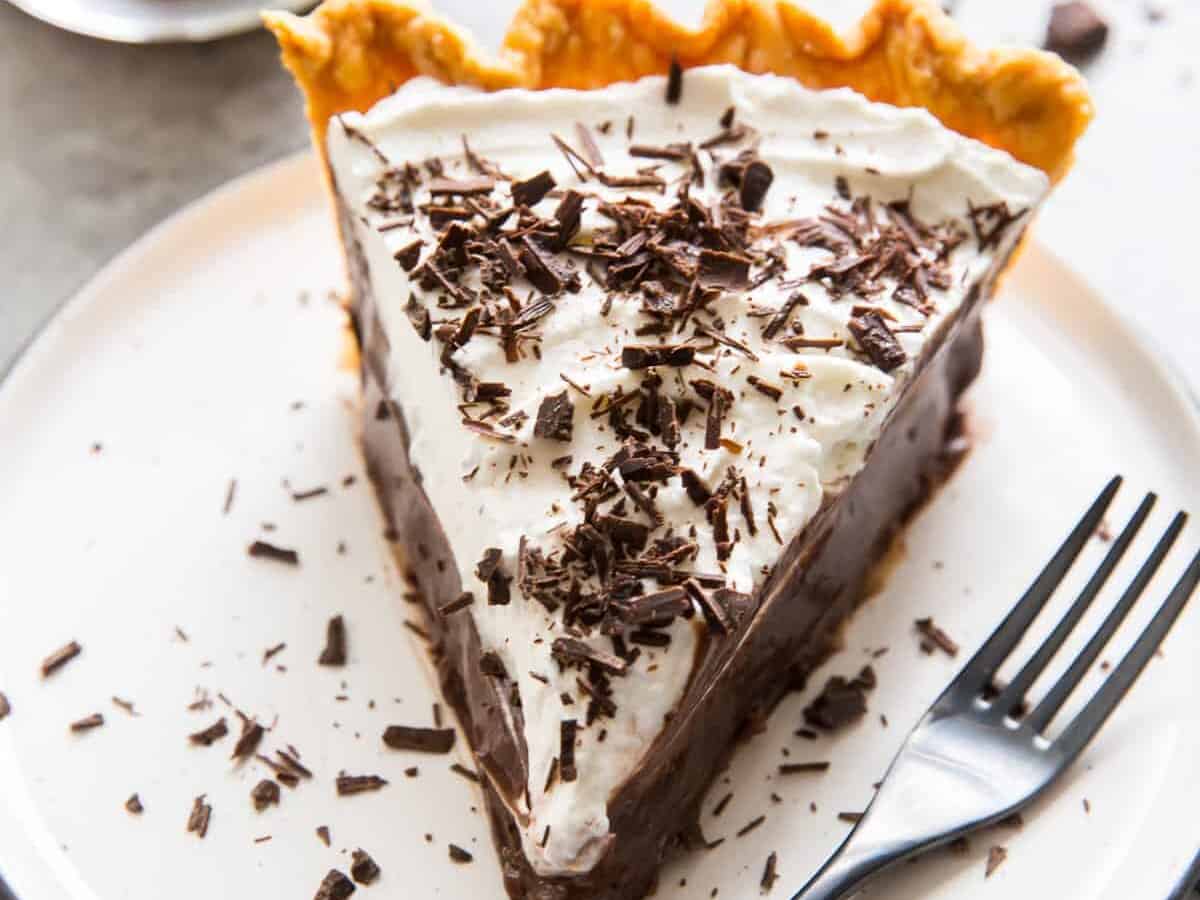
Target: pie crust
{"x":349,"y":54}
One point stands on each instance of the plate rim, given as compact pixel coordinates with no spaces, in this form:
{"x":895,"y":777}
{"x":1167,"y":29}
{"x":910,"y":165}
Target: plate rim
{"x":122,"y":30}
{"x":1160,"y":365}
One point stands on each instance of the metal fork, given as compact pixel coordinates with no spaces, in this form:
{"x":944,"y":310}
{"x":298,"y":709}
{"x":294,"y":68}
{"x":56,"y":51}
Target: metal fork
{"x":969,"y":762}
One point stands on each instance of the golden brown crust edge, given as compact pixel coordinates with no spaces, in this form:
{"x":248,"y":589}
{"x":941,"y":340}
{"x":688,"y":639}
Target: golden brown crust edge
{"x":348,"y":54}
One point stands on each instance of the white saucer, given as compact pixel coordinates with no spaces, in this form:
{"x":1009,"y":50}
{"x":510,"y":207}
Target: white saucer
{"x":177,"y":369}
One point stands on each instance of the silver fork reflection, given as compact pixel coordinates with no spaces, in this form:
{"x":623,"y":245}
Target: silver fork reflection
{"x":969,"y":762}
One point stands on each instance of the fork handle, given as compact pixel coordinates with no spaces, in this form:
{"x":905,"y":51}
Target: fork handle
{"x":846,"y":870}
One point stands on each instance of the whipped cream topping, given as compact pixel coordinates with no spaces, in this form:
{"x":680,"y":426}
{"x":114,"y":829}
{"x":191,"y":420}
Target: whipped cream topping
{"x":806,"y":403}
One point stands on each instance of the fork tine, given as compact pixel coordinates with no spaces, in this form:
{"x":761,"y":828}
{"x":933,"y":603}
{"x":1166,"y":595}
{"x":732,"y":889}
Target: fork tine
{"x":1053,"y":701}
{"x":1012,"y":694}
{"x":1100,"y":707}
{"x":979,"y":671}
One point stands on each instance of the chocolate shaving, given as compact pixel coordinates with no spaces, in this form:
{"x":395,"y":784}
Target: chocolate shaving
{"x":877,"y":340}
{"x":643,"y":356}
{"x":409,"y":255}
{"x":658,"y":606}
{"x":334,"y":886}
{"x":764,"y":388}
{"x":199,"y":817}
{"x":60,"y":658}
{"x":721,"y":269}
{"x":334,"y":653}
{"x":555,"y":418}
{"x":839,"y":704}
{"x":674,"y":82}
{"x":996,"y":856}
{"x":348,"y":785}
{"x":87,"y":723}
{"x":803,"y":768}
{"x":668,"y":151}
{"x":323,"y":834}
{"x":715,"y":614}
{"x":566,"y":766}
{"x":421,"y":740}
{"x":134,"y":805}
{"x":588,"y":142}
{"x":458,"y":854}
{"x":465,"y":599}
{"x":756,"y":180}
{"x":210,"y":735}
{"x":750,"y":826}
{"x":572,"y":651}
{"x":264,"y":550}
{"x":418,"y":315}
{"x":769,"y":875}
{"x":462,"y":187}
{"x":532,"y":190}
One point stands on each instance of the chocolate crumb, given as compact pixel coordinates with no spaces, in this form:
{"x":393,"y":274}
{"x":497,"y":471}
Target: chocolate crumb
{"x":996,"y":855}
{"x":5,"y":707}
{"x":265,"y":550}
{"x":334,"y":653}
{"x":348,"y":785}
{"x":334,"y":886}
{"x":134,"y":805}
{"x":409,"y":255}
{"x":459,"y":855}
{"x":1075,"y":31}
{"x":199,"y":817}
{"x":840,"y":703}
{"x":210,"y":735}
{"x":851,"y":817}
{"x":674,"y":82}
{"x":422,"y":740}
{"x":363,"y":869}
{"x":271,"y":652}
{"x":532,"y":190}
{"x":87,"y":723}
{"x":60,"y":658}
{"x":935,"y":636}
{"x":323,"y":835}
{"x":265,"y":793}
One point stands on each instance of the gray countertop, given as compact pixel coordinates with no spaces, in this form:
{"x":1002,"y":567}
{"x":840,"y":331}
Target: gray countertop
{"x":98,"y":142}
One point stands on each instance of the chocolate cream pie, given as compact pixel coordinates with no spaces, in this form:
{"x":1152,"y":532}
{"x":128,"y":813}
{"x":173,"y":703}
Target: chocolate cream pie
{"x":662,"y":336}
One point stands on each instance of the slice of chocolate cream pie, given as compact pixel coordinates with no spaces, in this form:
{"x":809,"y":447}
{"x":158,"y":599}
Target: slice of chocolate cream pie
{"x":654,"y":371}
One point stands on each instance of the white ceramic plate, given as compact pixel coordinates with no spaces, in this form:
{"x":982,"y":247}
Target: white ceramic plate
{"x":156,"y":21}
{"x":178,"y":369}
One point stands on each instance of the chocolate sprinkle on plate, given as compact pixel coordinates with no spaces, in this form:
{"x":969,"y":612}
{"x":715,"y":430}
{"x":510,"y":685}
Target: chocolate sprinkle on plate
{"x":87,"y":723}
{"x":334,"y":886}
{"x":996,"y":856}
{"x":851,"y":817}
{"x":363,"y":869}
{"x":210,"y":735}
{"x":466,"y":773}
{"x":769,"y":874}
{"x":750,"y":826}
{"x":60,"y":658}
{"x":839,"y":704}
{"x":936,"y":636}
{"x":5,"y":707}
{"x":323,"y":835}
{"x":459,"y":855}
{"x":199,"y":817}
{"x":134,"y":805}
{"x":265,"y":550}
{"x":348,"y":785}
{"x":247,"y":743}
{"x":798,"y":768}
{"x":334,"y":653}
{"x":422,"y":740}
{"x":265,"y":793}
{"x":1075,"y":31}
